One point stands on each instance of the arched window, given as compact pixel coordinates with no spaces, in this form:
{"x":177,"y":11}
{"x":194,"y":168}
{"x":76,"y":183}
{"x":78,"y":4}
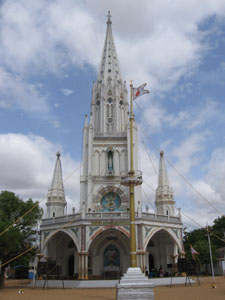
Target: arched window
{"x":110,"y":160}
{"x":111,"y":111}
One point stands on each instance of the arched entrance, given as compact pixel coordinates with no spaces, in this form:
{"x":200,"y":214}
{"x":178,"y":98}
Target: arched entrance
{"x":161,"y":249}
{"x":62,"y":252}
{"x":109,"y":254}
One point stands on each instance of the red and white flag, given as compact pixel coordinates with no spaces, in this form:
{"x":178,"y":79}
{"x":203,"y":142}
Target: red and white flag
{"x":193,"y":251}
{"x":137,"y":92}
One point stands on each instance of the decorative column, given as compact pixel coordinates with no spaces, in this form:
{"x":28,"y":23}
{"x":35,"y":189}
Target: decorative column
{"x":83,"y":256}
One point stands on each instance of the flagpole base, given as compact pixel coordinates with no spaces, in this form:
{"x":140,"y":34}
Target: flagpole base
{"x":134,"y":285}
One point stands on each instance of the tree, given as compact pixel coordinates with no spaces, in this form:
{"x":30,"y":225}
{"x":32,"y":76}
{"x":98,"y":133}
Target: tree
{"x":19,"y":237}
{"x":218,"y":232}
{"x":199,"y":241}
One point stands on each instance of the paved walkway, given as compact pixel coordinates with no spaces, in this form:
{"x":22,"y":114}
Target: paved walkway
{"x":71,"y":284}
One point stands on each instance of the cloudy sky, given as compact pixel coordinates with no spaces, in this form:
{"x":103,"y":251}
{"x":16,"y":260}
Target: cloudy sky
{"x":49,"y":57}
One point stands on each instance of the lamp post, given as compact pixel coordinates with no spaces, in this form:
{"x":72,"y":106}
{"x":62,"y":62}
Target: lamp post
{"x":132,"y":178}
{"x":134,"y":284}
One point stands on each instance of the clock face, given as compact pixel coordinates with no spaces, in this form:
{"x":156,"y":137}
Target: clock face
{"x":111,"y":202}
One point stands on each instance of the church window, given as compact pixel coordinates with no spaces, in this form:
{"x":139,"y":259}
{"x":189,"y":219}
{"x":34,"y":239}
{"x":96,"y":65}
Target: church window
{"x":97,"y":102}
{"x":110,"y":160}
{"x":111,"y":202}
{"x":121,"y":102}
{"x":109,"y":70}
{"x":111,"y":110}
{"x":110,"y":120}
{"x":110,"y":100}
{"x":109,"y":55}
{"x":107,"y":109}
{"x":53,"y":214}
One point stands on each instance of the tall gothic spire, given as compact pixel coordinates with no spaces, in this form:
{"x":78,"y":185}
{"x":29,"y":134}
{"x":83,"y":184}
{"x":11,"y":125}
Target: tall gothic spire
{"x":164,"y":193}
{"x":109,"y":66}
{"x":56,"y":196}
{"x":109,"y":104}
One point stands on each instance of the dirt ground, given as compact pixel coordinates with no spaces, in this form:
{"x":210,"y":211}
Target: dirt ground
{"x":195,"y":292}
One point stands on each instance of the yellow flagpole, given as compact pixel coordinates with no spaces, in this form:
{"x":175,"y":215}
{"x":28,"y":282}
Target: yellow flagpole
{"x":133,"y":256}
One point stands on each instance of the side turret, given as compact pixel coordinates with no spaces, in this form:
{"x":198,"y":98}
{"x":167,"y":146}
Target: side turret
{"x":164,"y":193}
{"x":56,"y":201}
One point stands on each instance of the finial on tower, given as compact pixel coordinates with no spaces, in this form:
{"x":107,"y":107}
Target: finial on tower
{"x":109,"y":21}
{"x":58,"y":154}
{"x":161,"y":153}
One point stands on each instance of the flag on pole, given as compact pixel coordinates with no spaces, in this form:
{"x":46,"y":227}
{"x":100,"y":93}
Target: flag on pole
{"x":193,"y":252}
{"x":137,"y":92}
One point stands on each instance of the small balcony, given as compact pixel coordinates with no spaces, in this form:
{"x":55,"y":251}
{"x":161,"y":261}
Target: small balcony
{"x":134,"y":177}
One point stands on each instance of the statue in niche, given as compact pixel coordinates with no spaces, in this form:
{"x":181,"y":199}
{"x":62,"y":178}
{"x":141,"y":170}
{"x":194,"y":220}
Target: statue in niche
{"x":111,"y":256}
{"x":110,"y":160}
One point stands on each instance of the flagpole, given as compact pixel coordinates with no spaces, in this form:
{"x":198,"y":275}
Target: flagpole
{"x":133,"y":255}
{"x":210,"y":253}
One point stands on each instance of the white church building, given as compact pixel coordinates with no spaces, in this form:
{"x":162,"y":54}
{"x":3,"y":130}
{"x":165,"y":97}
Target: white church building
{"x":94,"y":242}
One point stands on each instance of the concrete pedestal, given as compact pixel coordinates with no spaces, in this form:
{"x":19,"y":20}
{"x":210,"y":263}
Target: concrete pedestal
{"x":134,"y":285}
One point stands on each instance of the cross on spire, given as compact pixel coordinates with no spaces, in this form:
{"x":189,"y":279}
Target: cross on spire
{"x":109,"y":16}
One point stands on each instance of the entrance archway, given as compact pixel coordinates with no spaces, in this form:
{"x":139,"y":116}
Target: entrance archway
{"x":109,"y":253}
{"x":161,"y":249}
{"x":62,"y":252}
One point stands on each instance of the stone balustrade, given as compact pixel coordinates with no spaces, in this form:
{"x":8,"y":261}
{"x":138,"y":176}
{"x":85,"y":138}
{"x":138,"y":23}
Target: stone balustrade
{"x":118,"y":215}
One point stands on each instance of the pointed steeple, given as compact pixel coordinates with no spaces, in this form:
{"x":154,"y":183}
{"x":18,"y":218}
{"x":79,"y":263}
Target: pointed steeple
{"x":109,"y":67}
{"x":109,"y":94}
{"x":56,"y":196}
{"x":163,"y":178}
{"x":164,"y":193}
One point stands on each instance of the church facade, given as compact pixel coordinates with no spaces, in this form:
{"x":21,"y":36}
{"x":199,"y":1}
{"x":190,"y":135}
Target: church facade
{"x":94,"y":242}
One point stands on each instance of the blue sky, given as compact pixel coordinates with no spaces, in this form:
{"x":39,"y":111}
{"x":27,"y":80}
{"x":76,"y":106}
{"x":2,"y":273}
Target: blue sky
{"x":49,"y":57}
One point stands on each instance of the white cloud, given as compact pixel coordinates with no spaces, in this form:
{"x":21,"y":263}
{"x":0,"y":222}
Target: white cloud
{"x":17,"y":93}
{"x":67,"y":92}
{"x":156,"y":117}
{"x":28,"y":163}
{"x":162,"y":47}
{"x":42,"y":37}
{"x":188,"y":152}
